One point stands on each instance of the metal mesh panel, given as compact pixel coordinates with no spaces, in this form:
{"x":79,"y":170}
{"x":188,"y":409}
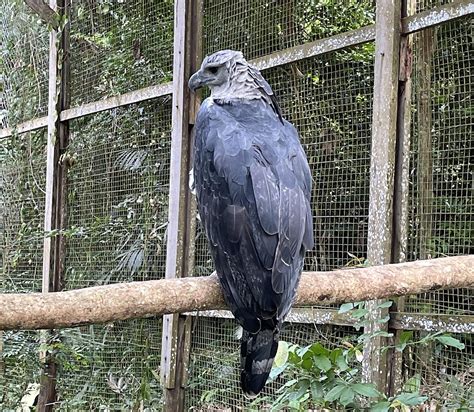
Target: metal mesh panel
{"x":328,"y":99}
{"x":111,"y":367}
{"x":118,"y":193}
{"x":23,"y":64}
{"x":19,"y":367}
{"x":22,"y":179}
{"x":22,"y":182}
{"x":119,"y":46}
{"x":214,"y":382}
{"x":445,"y":373}
{"x":423,"y":5}
{"x":441,"y":222}
{"x":258,"y":28}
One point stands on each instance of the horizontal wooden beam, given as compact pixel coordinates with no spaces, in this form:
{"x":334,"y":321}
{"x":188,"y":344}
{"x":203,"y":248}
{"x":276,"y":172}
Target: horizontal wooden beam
{"x":315,"y":48}
{"x":123,"y":301}
{"x":317,"y":316}
{"x":28,"y":126}
{"x":398,"y":320}
{"x":433,"y":322}
{"x":136,"y":96}
{"x":437,"y":15}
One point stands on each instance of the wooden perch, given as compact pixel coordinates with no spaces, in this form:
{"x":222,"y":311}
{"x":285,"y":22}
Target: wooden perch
{"x":157,"y":297}
{"x":46,"y":13}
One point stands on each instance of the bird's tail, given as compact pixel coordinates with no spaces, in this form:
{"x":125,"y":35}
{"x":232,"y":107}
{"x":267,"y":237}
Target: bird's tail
{"x":257,"y":352}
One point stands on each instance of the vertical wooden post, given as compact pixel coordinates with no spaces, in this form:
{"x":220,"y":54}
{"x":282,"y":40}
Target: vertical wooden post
{"x":401,"y":187}
{"x":176,"y":329}
{"x":384,"y":124}
{"x":56,"y":195}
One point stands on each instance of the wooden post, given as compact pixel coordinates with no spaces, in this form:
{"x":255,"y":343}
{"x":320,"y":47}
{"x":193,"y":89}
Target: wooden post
{"x":384,"y":124}
{"x":401,"y":189}
{"x":56,"y":195}
{"x":179,"y":259}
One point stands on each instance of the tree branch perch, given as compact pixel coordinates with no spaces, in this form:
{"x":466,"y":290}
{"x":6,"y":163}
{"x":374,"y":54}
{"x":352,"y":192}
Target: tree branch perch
{"x":123,"y":301}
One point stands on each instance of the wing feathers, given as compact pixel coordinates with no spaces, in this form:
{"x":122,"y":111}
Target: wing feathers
{"x":253,"y":186}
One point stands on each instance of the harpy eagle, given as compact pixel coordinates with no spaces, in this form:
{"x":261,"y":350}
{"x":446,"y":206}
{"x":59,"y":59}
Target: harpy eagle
{"x":253,"y":187}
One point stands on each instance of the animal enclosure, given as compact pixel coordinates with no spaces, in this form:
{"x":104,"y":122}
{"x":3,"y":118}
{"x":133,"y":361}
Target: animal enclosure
{"x":94,"y":158}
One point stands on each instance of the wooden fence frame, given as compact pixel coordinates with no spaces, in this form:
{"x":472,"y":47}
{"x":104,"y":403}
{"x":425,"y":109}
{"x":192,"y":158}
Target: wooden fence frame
{"x":387,"y":235}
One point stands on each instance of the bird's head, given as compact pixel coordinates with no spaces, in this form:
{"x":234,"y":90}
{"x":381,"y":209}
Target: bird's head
{"x":216,"y":70}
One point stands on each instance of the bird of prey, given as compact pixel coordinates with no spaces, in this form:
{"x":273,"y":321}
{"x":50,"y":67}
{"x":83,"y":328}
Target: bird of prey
{"x":253,"y":186}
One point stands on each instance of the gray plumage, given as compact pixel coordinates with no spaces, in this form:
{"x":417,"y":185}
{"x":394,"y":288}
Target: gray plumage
{"x":253,"y":187}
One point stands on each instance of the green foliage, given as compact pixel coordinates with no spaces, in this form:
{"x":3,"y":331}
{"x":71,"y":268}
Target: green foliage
{"x":320,"y":377}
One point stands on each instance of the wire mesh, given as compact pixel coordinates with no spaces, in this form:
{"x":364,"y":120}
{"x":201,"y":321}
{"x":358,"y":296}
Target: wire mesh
{"x":214,"y":383}
{"x":23,"y":64}
{"x":111,"y":367}
{"x":119,"y":46}
{"x":22,"y":182}
{"x":117,"y":192}
{"x":258,"y":28}
{"x":441,"y":221}
{"x":424,"y":5}
{"x":22,"y":179}
{"x":444,"y":373}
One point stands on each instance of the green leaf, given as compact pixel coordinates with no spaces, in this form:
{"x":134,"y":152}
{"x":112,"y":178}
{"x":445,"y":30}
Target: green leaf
{"x":303,"y":351}
{"x":380,"y":407}
{"x":322,"y":362}
{"x":318,"y":349}
{"x":347,"y":396}
{"x":341,"y":363}
{"x":359,"y":313}
{"x":366,"y":389}
{"x":411,"y":399}
{"x":277,"y":371}
{"x":450,"y":341}
{"x":303,"y":386}
{"x":386,"y":304}
{"x":282,"y":354}
{"x":287,"y":385}
{"x":405,"y":336}
{"x":334,"y":393}
{"x":317,"y":392}
{"x":413,"y":384}
{"x":346,"y":307}
{"x":307,"y":364}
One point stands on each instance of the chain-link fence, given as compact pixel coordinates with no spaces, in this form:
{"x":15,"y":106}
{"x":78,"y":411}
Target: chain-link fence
{"x":118,"y":187}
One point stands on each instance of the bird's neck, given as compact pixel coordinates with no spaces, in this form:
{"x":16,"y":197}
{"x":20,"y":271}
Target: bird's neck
{"x":241,"y":87}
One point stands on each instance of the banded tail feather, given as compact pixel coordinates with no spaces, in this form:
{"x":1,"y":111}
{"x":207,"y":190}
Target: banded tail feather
{"x":257,"y":352}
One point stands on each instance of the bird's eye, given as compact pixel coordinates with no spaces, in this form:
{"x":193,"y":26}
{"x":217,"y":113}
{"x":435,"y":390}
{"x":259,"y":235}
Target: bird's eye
{"x":213,"y":70}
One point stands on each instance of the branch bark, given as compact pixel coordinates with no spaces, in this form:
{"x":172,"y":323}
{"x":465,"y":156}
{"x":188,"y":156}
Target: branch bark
{"x":123,"y":301}
{"x":46,"y":13}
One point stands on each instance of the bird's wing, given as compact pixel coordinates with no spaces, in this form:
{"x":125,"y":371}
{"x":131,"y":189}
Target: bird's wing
{"x":253,"y":186}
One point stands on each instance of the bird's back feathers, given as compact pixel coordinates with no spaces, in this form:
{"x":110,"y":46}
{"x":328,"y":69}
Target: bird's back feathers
{"x":253,"y":187}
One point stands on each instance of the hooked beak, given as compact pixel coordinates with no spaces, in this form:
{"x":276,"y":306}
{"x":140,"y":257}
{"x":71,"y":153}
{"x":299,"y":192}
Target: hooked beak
{"x":196,"y":81}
